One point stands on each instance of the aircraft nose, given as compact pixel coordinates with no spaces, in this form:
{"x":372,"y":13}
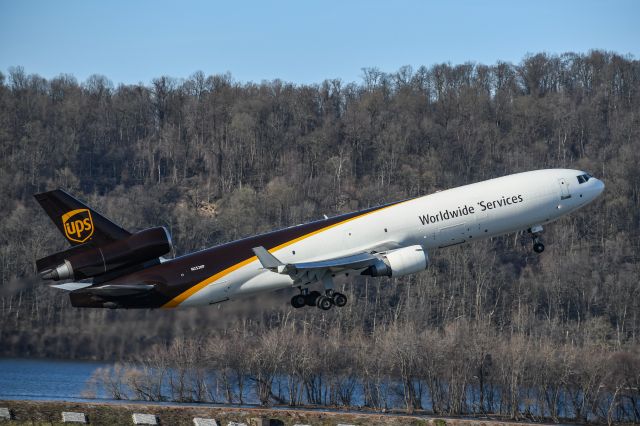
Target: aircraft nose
{"x":599,"y":186}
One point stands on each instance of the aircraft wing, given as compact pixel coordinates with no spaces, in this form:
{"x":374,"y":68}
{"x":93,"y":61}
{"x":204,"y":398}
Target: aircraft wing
{"x":310,"y":271}
{"x":356,"y":261}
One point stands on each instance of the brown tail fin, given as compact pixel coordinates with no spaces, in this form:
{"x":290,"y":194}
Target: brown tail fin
{"x":77,"y":222}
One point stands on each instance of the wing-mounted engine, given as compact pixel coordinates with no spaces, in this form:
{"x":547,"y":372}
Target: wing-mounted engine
{"x":81,"y":262}
{"x":394,"y":263}
{"x":397,"y":263}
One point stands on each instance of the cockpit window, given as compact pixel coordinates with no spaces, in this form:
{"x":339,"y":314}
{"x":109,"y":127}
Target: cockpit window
{"x":584,"y":178}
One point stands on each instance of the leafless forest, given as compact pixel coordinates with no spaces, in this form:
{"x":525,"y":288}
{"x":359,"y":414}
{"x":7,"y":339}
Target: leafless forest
{"x":490,"y":327}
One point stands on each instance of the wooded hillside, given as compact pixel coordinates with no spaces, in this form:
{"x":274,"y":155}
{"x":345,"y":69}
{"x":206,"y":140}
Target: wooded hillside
{"x":214,"y":160}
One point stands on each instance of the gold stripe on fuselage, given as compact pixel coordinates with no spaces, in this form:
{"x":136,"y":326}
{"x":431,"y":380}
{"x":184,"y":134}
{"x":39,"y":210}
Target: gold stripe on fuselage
{"x":176,"y":301}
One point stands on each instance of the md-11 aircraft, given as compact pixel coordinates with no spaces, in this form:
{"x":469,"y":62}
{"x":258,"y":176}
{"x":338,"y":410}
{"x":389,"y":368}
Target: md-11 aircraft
{"x":109,"y":267}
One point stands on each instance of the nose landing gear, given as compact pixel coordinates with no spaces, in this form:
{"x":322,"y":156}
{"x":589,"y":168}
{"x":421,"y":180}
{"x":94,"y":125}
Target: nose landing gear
{"x":538,"y":247}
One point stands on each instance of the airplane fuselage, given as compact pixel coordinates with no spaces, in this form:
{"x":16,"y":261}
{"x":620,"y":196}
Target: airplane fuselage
{"x":455,"y":216}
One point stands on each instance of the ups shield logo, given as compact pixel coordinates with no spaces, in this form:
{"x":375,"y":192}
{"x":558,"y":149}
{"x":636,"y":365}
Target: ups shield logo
{"x":78,"y":225}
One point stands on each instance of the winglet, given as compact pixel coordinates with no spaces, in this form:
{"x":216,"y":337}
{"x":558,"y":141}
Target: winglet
{"x":267,"y":260}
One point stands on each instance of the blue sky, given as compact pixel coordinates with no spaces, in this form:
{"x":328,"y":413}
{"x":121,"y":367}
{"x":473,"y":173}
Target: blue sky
{"x":300,"y":41}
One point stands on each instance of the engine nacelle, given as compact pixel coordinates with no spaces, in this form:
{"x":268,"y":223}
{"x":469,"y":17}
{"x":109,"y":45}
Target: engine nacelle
{"x":396,"y":263}
{"x":136,"y":249}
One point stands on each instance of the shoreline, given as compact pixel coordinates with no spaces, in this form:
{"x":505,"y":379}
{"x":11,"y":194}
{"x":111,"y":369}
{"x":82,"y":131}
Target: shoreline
{"x":109,"y":413}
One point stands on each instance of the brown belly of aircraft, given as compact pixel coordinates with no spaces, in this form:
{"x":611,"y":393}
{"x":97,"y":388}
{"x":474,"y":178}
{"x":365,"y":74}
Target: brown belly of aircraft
{"x":174,"y":280}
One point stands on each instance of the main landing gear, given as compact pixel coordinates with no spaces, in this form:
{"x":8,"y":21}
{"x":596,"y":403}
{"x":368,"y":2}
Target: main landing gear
{"x":315,"y":298}
{"x":324,"y":301}
{"x":538,"y":247}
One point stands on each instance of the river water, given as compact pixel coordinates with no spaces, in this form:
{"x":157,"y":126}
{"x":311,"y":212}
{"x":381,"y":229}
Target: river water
{"x":45,"y":379}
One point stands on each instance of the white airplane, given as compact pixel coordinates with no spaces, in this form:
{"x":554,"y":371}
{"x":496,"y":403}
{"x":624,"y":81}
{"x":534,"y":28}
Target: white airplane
{"x":118,"y":269}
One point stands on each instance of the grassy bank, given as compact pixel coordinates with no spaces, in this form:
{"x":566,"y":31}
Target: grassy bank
{"x":49,"y":413}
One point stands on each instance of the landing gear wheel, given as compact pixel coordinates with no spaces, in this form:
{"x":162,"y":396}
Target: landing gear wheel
{"x":324,"y":303}
{"x":534,"y":231}
{"x":311,"y":298}
{"x":298,"y":301}
{"x":339,"y":299}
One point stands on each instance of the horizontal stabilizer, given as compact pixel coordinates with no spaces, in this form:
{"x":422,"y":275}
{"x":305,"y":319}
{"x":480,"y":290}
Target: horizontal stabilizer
{"x":71,"y":286}
{"x":113,"y":290}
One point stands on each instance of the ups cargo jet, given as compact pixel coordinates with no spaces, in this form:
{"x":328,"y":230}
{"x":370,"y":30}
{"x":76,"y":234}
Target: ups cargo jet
{"x":109,"y":267}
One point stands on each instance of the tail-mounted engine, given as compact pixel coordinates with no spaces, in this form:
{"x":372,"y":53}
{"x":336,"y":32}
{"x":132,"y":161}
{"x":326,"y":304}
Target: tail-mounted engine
{"x":84,"y":262}
{"x":396,"y":263}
